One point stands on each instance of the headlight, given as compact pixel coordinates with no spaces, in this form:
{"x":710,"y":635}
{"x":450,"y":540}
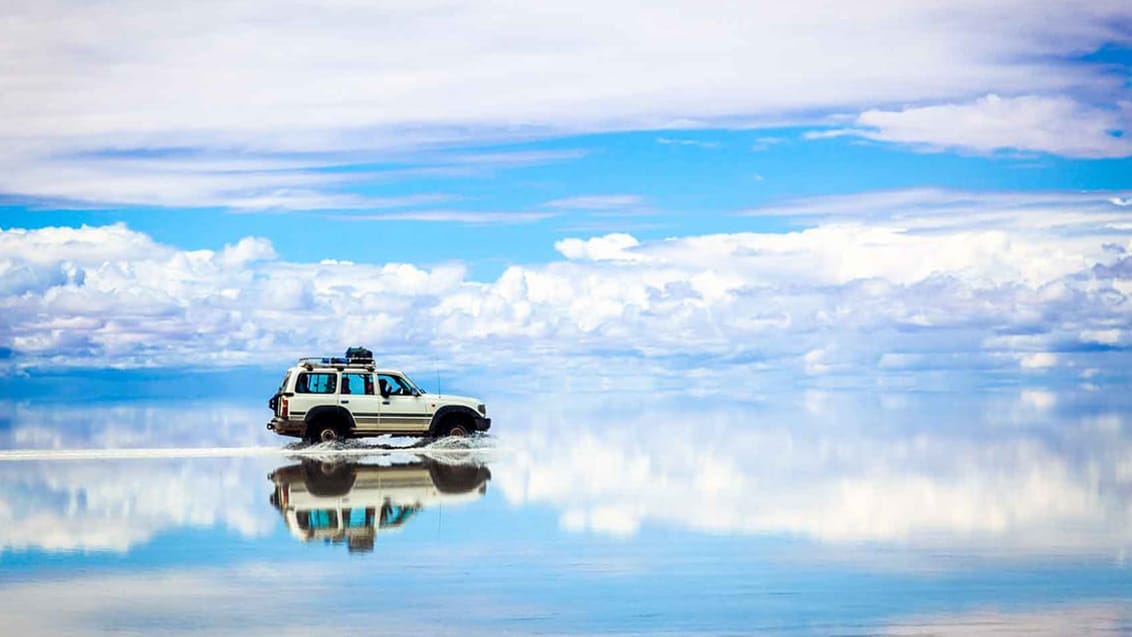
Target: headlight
{"x":482,"y":409}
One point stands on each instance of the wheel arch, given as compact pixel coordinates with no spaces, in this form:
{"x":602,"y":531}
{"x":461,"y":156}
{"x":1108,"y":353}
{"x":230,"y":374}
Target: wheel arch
{"x":448,"y":411}
{"x":335,"y":412}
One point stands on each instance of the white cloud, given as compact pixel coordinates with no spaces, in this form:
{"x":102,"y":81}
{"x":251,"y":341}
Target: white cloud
{"x":457,"y":216}
{"x":256,"y":183}
{"x":938,"y":208}
{"x":161,"y":113}
{"x":766,"y":143}
{"x":597,"y":202}
{"x":676,"y":141}
{"x":1049,"y":124}
{"x":977,"y":283}
{"x":611,"y":247}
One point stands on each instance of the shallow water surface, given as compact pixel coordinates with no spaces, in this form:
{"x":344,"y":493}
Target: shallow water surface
{"x":819,"y":514}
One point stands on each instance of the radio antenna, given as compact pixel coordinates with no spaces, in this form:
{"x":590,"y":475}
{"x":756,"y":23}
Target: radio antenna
{"x":436,"y":362}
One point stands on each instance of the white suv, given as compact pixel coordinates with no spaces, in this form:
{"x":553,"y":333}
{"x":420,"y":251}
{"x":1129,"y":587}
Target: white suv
{"x":327,"y":399}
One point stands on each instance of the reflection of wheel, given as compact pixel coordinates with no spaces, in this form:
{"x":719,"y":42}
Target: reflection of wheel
{"x":328,"y":478}
{"x":458,"y":478}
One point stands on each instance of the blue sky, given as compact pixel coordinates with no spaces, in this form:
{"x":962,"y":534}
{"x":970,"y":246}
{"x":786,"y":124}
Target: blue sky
{"x":661,"y":184}
{"x":909,"y":195}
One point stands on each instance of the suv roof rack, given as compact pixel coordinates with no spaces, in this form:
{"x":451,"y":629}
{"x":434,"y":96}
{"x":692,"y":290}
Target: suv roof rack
{"x":310,"y":362}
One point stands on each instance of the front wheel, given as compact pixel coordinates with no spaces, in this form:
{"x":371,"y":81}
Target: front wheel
{"x":457,"y":427}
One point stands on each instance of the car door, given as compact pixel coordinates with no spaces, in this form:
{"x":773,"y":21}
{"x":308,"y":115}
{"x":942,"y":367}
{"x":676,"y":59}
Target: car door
{"x":358,"y":394}
{"x":403,"y":409}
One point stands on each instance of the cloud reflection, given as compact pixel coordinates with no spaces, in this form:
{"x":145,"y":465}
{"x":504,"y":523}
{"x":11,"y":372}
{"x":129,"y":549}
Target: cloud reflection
{"x":113,"y":506}
{"x":1095,"y":619}
{"x":998,"y":477}
{"x":986,"y":476}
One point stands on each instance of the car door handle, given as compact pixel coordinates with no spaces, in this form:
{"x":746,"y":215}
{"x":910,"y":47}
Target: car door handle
{"x":385,"y":402}
{"x":345,"y":401}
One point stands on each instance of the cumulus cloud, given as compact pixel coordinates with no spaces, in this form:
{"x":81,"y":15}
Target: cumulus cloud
{"x":1057,"y":125}
{"x":980,"y":284}
{"x":145,"y":117}
{"x":611,"y":247}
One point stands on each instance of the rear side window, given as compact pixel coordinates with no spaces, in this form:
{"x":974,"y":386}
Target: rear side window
{"x":357,"y":384}
{"x":283,"y":385}
{"x":316,"y":383}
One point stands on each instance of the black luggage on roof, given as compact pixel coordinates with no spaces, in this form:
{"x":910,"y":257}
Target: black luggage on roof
{"x":359,"y":355}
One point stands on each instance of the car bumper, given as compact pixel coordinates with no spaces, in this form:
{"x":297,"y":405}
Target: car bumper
{"x":287,"y":427}
{"x":482,"y":424}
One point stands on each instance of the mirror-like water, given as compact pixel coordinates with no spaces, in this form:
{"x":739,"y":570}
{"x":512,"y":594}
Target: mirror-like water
{"x":820,"y":514}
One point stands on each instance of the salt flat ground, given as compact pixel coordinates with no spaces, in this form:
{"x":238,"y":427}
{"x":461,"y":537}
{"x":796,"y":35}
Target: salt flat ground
{"x":1008,"y":512}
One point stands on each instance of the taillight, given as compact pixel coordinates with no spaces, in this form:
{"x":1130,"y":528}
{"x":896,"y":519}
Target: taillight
{"x":283,"y":407}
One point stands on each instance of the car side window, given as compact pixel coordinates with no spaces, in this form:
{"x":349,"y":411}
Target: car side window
{"x":397,"y":386}
{"x":357,"y":384}
{"x":316,"y":383}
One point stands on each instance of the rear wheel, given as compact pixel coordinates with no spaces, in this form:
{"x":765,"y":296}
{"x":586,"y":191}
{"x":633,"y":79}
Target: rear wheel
{"x":324,"y":431}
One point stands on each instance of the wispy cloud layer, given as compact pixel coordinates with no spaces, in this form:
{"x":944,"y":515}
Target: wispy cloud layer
{"x":983,"y":283}
{"x":1057,"y":125}
{"x":255,"y":83}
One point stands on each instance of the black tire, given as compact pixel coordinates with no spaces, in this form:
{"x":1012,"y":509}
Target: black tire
{"x":456,"y":425}
{"x":324,"y":430}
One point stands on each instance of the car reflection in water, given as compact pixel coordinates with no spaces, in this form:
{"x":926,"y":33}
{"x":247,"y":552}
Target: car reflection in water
{"x":351,"y":501}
